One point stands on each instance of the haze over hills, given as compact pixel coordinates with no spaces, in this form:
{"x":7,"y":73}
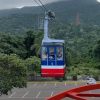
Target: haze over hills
{"x":19,"y":20}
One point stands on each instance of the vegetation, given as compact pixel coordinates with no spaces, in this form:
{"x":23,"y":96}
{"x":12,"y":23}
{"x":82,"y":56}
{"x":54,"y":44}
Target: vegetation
{"x":33,"y":65}
{"x":18,"y":60}
{"x":12,"y":73}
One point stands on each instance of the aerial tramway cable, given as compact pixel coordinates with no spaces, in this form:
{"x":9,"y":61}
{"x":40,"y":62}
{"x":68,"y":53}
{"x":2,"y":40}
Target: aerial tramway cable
{"x":41,"y":5}
{"x":48,"y":12}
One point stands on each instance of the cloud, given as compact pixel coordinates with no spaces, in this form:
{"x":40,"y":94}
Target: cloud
{"x":98,"y":0}
{"x":6,"y":4}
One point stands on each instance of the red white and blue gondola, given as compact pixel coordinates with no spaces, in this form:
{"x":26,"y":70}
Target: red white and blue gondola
{"x":52,"y":58}
{"x":52,"y":53}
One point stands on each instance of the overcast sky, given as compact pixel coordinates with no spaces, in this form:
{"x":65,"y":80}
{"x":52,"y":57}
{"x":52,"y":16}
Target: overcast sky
{"x":6,"y":4}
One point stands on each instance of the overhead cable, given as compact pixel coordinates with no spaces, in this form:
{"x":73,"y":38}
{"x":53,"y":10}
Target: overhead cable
{"x":43,"y":5}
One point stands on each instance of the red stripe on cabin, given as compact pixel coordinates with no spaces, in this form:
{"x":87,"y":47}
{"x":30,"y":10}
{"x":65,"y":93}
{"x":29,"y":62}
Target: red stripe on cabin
{"x":53,"y":72}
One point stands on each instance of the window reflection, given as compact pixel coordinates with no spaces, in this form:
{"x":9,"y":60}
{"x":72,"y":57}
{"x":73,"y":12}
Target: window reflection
{"x":59,"y":53}
{"x":44,"y":53}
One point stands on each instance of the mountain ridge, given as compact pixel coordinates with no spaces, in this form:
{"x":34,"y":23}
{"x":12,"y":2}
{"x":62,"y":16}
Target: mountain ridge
{"x":29,"y":9}
{"x":66,"y":11}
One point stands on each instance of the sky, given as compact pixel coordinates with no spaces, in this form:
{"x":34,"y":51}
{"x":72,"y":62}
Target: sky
{"x":98,"y":0}
{"x":7,"y":4}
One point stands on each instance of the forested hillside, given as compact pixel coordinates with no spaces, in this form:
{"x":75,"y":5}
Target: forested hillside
{"x":19,"y":20}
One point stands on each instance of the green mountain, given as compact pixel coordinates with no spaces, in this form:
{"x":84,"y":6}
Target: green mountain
{"x":20,"y":20}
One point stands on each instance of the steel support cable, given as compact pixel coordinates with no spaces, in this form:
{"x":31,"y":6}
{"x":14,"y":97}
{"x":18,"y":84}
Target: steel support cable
{"x":43,"y":5}
{"x":38,"y":3}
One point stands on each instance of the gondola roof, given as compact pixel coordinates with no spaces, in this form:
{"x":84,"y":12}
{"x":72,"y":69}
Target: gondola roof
{"x":48,"y":40}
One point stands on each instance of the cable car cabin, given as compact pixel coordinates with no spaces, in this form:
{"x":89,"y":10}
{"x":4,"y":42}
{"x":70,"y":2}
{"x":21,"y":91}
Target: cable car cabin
{"x":52,"y":58}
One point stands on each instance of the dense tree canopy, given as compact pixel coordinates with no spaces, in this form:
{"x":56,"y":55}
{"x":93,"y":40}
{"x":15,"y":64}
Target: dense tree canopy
{"x":97,"y":50}
{"x":12,"y":73}
{"x":14,"y":48}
